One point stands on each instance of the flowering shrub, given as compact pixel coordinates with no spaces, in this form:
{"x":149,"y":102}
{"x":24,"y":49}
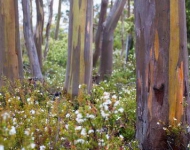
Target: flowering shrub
{"x":31,"y":119}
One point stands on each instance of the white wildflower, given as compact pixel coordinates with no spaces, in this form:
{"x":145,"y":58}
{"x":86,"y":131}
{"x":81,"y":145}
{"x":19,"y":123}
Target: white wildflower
{"x":174,"y":118}
{"x":101,"y":142}
{"x":12,"y":131}
{"x":67,"y":126}
{"x":67,"y":115}
{"x":10,"y":99}
{"x":114,"y":97}
{"x":27,"y":132}
{"x":188,"y":146}
{"x":78,"y":128}
{"x":42,"y":147}
{"x":104,"y":115}
{"x":121,"y":136}
{"x":116,"y":103}
{"x":1,"y":146}
{"x":106,"y":107}
{"x":79,"y":115}
{"x":80,"y":120}
{"x":29,"y":100}
{"x":79,"y":86}
{"x":14,"y":121}
{"x":107,"y":136}
{"x":90,"y":131}
{"x":158,"y":123}
{"x":121,"y":110}
{"x":179,"y":124}
{"x":106,"y":95}
{"x":107,"y":102}
{"x":90,"y":116}
{"x":164,"y":128}
{"x":83,"y":132}
{"x":5,"y":115}
{"x":116,"y":111}
{"x":46,"y":129}
{"x":32,"y":145}
{"x":32,"y":112}
{"x":188,"y":129}
{"x":79,"y":141}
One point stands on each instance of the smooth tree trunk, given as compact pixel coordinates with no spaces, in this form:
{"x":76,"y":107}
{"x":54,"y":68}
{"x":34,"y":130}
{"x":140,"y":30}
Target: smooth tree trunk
{"x":31,"y":14}
{"x":38,"y":35}
{"x":98,"y":38}
{"x":58,"y":20}
{"x":18,"y":46}
{"x":79,"y":63}
{"x":29,"y":41}
{"x":129,"y":45}
{"x":122,"y":32}
{"x":162,"y":75}
{"x":128,"y":8}
{"x":9,"y":61}
{"x":48,"y":26}
{"x":106,"y":59}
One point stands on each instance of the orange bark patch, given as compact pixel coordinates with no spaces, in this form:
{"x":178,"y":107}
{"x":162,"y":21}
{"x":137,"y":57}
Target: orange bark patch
{"x":156,"y":45}
{"x":150,"y":86}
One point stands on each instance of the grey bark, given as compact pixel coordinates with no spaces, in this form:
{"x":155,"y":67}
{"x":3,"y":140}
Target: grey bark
{"x":98,"y":38}
{"x":38,"y":35}
{"x":29,"y":41}
{"x":48,"y":26}
{"x":58,"y":21}
{"x":106,"y":60}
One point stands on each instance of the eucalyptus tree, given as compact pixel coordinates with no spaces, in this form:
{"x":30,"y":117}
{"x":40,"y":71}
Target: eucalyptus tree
{"x":29,"y":41}
{"x":10,"y":54}
{"x":106,"y":59}
{"x":79,"y":63}
{"x":98,"y":38}
{"x":48,"y":26}
{"x":58,"y":20}
{"x":38,"y":35}
{"x":163,"y":106}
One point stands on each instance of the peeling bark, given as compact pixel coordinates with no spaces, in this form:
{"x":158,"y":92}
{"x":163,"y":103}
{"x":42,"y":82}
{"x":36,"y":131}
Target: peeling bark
{"x":79,"y":63}
{"x":162,"y":73}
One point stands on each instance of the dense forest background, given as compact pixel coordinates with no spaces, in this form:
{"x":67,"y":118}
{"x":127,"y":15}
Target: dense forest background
{"x":69,"y":76}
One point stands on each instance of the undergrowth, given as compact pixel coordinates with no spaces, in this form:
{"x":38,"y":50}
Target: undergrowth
{"x":34,"y":116}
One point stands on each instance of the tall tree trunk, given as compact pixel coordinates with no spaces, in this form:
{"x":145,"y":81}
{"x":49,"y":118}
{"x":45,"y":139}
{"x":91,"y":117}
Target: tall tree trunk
{"x":31,"y":15}
{"x":98,"y":39}
{"x":122,"y":33}
{"x":29,"y":41}
{"x":58,"y":20}
{"x":48,"y":26}
{"x":106,"y":60}
{"x":79,"y":63}
{"x":18,"y":46}
{"x":9,"y":63}
{"x":38,"y":35}
{"x":162,"y":74}
{"x":128,"y":8}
